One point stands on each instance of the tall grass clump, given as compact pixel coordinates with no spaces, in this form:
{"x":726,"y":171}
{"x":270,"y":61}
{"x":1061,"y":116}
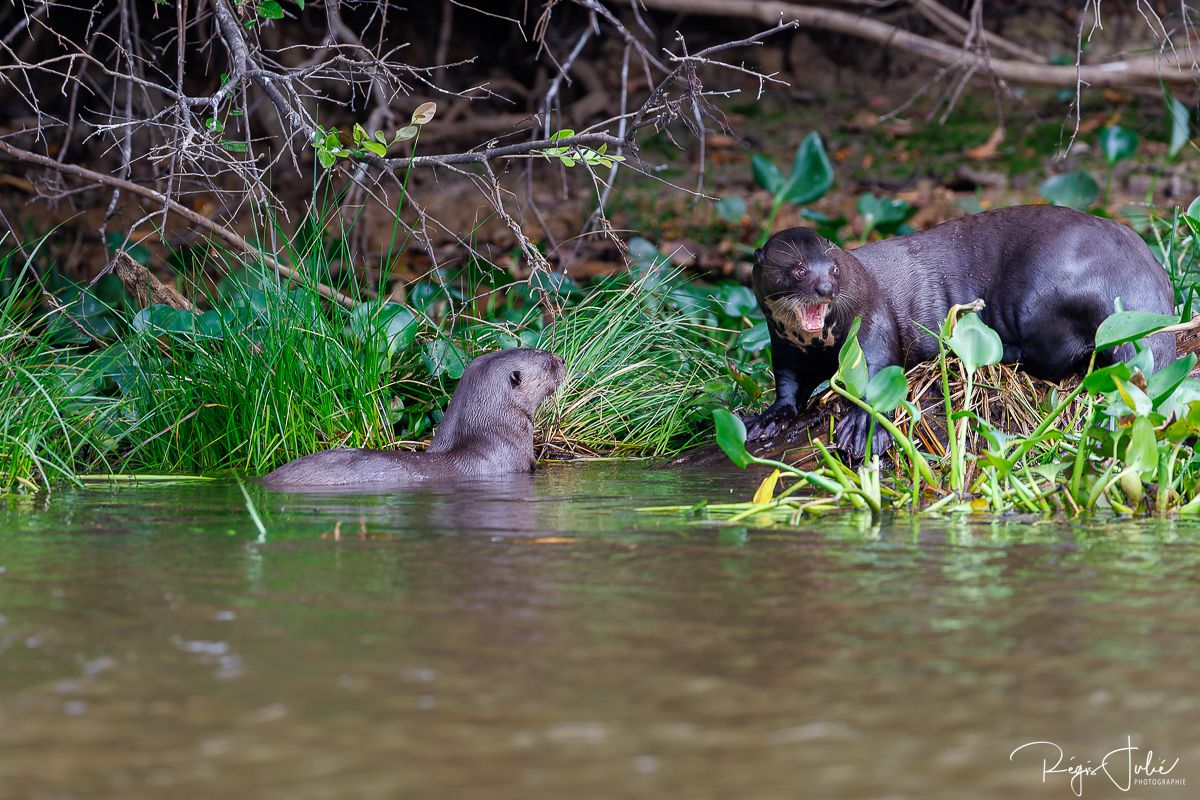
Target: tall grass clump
{"x":272,"y":373}
{"x":639,"y":373}
{"x":52,"y":423}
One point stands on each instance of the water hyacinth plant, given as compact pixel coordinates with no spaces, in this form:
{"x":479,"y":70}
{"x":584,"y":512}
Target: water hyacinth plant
{"x":1122,"y":438}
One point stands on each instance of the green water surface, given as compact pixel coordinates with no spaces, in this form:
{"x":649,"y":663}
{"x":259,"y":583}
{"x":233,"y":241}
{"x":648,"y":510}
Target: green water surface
{"x":536,"y":638}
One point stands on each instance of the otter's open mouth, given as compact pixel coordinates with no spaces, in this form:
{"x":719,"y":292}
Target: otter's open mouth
{"x":812,"y":317}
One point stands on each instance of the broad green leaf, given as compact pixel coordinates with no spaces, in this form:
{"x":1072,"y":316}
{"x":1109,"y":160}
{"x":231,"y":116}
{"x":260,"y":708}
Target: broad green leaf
{"x":326,"y":158}
{"x":398,"y":326}
{"x":1118,"y":143}
{"x":766,"y":174}
{"x":443,"y":357}
{"x":1101,"y":381}
{"x":811,"y":174}
{"x":738,"y":301}
{"x":883,"y":214}
{"x":887,"y":389}
{"x":731,"y":208}
{"x":755,"y":338}
{"x":270,"y":9}
{"x":1129,"y":326}
{"x":1076,"y":190}
{"x":1180,"y":119}
{"x":405,"y":133}
{"x":976,"y":344}
{"x":852,"y":363}
{"x":1162,"y":383}
{"x":211,"y":324}
{"x":163,"y":318}
{"x":731,"y":436}
{"x":374,"y":147}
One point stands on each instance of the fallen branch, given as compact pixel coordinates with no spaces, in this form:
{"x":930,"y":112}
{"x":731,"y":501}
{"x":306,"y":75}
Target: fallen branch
{"x":1169,"y":67}
{"x":175,"y":207}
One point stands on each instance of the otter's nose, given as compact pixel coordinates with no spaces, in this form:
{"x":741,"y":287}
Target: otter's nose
{"x":824,"y":287}
{"x":555,"y":364}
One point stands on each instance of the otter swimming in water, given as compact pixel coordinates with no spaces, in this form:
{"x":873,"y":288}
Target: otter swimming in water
{"x":487,"y":430}
{"x":1048,"y":277}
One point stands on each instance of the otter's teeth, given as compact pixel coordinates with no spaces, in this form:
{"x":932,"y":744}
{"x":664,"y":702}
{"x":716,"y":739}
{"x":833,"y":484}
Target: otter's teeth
{"x":812,"y":318}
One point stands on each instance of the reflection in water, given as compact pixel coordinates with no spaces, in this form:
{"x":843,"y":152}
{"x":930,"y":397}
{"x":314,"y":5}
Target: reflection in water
{"x":535,"y":637}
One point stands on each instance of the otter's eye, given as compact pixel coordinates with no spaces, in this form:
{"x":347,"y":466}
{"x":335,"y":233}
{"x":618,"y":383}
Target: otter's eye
{"x":834,"y":272}
{"x":515,"y":378}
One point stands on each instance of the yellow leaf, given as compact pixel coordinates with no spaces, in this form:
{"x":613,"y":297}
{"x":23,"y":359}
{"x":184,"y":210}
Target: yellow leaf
{"x":766,"y":489}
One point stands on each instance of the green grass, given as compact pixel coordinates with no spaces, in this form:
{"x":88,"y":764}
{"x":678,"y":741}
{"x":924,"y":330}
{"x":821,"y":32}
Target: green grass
{"x":639,"y":380}
{"x":273,"y":371}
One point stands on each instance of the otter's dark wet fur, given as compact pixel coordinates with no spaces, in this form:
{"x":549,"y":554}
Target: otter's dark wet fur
{"x":1048,"y":277}
{"x":487,"y":430}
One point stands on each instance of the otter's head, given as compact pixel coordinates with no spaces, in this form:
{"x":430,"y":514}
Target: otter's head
{"x":794,"y":272}
{"x":497,"y":396}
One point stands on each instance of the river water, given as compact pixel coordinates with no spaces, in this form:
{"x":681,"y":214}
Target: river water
{"x":538,"y":638}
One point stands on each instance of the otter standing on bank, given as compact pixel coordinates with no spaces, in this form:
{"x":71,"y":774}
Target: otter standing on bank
{"x":1048,"y":277}
{"x":487,"y":430}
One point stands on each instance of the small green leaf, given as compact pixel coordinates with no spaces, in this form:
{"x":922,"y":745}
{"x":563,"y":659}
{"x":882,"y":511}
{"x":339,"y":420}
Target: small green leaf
{"x":852,"y":362}
{"x":887,"y":389}
{"x":883,"y":214}
{"x":976,"y":344}
{"x":567,"y":161}
{"x":374,"y":147}
{"x":1180,"y":118}
{"x":1142,"y":452}
{"x":731,"y":436}
{"x":755,"y":338}
{"x":1161,"y":384}
{"x":270,"y":9}
{"x":1129,"y":326}
{"x":766,"y":174}
{"x":405,"y":133}
{"x":1118,"y":143}
{"x":731,"y":208}
{"x":565,"y":133}
{"x":300,"y":4}
{"x":234,"y":146}
{"x":1077,"y":190}
{"x":1133,"y":397}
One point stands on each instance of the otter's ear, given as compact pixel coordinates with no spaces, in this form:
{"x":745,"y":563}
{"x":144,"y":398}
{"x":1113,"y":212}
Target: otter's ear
{"x":515,"y":378}
{"x":759,"y":257}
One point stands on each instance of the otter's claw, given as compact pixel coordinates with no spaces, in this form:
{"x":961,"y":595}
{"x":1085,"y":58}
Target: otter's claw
{"x":771,"y":422}
{"x":851,"y":435}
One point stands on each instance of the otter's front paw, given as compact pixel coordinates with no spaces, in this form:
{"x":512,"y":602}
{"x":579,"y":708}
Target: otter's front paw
{"x":771,"y":422}
{"x":852,"y":433}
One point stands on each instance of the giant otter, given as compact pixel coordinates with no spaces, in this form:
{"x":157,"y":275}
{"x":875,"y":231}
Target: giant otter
{"x":1048,"y":277}
{"x":487,"y":430}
